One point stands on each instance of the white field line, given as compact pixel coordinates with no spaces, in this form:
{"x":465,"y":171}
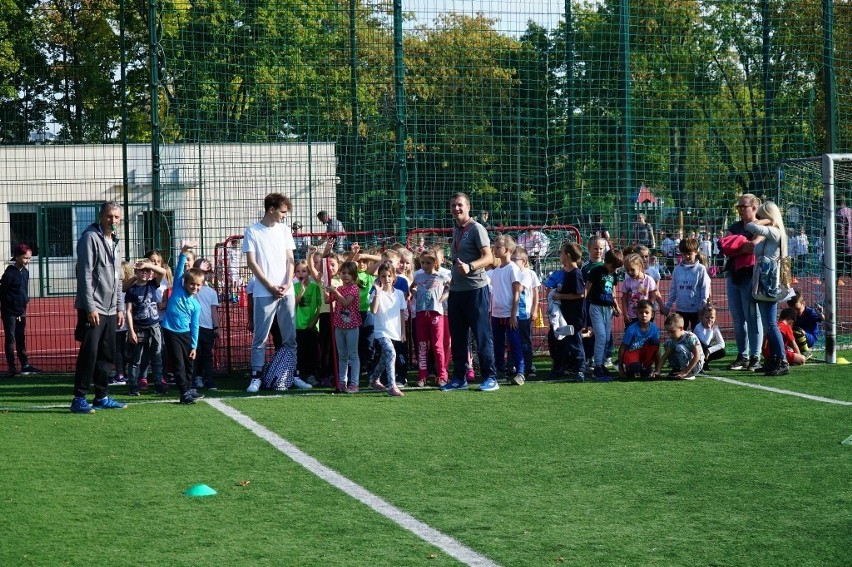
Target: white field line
{"x":428,"y":534}
{"x":781,"y":391}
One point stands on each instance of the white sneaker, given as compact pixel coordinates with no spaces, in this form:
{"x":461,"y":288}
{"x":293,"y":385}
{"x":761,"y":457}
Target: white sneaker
{"x":254,"y":386}
{"x":608,"y":363}
{"x":301,"y":384}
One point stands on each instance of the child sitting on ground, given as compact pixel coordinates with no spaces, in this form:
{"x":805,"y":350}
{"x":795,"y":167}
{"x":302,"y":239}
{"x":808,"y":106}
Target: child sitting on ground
{"x":710,"y":336}
{"x":640,"y":346}
{"x":786,"y":320}
{"x":806,"y":326}
{"x":683,"y":351}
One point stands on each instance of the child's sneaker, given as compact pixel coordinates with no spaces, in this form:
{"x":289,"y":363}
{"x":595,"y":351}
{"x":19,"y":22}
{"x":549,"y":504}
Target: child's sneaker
{"x":580,"y":377}
{"x":352,"y":389}
{"x":143,"y":383}
{"x":601,"y":374}
{"x":421,"y":383}
{"x":117,"y":380}
{"x":376,"y":385}
{"x":80,"y":405}
{"x":108,"y":403}
{"x":162,"y":388}
{"x":443,"y":381}
{"x":29,"y":369}
{"x":133,"y":392}
{"x":395,"y":392}
{"x":518,"y":379}
{"x":186,"y":398}
{"x":12,"y":372}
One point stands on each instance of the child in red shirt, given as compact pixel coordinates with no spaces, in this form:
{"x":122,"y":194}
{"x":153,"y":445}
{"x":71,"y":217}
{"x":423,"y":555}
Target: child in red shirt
{"x":785,"y":324}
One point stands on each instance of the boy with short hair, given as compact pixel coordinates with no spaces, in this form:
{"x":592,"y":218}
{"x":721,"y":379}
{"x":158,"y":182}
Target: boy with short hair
{"x":683,"y":351}
{"x":208,"y":329}
{"x":505,"y":302}
{"x":806,"y":325}
{"x":568,"y":294}
{"x":640,"y":346}
{"x":786,"y":320}
{"x":181,"y":323}
{"x":527,"y":306}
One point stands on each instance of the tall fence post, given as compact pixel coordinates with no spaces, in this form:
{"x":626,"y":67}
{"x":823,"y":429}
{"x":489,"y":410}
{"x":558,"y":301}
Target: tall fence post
{"x":399,"y":94}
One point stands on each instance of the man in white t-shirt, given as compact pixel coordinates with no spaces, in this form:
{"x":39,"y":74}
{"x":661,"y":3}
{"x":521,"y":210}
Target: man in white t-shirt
{"x":268,"y":247}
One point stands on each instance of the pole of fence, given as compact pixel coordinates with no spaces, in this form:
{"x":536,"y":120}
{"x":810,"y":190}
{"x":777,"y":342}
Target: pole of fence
{"x":399,"y":92}
{"x":627,"y":140}
{"x":828,"y":77}
{"x":829,"y":262}
{"x":155,"y":124}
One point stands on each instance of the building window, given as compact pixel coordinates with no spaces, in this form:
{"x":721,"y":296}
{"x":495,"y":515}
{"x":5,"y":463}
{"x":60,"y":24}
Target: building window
{"x":23,"y":226}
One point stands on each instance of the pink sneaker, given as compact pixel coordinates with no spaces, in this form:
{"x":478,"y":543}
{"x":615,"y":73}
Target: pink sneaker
{"x":352,"y":389}
{"x":376,"y":385}
{"x":143,"y":383}
{"x":395,"y":392}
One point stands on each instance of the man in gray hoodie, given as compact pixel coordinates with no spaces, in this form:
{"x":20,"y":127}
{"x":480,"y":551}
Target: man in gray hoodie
{"x":100,"y":309}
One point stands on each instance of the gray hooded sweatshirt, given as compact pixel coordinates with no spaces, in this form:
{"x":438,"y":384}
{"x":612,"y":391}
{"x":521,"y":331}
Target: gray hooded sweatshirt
{"x":98,"y":273}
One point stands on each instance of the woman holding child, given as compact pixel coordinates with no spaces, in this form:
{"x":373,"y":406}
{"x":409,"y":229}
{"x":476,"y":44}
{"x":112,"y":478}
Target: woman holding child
{"x":737,"y":245}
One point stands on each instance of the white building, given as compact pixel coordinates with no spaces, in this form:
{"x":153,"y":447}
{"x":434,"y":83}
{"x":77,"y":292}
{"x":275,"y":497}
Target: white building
{"x":208,"y":192}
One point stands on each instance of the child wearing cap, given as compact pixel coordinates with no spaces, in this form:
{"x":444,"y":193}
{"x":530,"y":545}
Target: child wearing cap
{"x":14,"y":296}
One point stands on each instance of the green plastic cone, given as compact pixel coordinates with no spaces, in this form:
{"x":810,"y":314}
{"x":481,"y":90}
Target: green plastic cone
{"x":199,"y":490}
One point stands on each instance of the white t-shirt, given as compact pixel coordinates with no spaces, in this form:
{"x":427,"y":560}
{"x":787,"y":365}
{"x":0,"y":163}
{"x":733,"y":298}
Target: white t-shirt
{"x":529,"y":282}
{"x":502,"y":279}
{"x":269,"y":245}
{"x":388,"y":318}
{"x":209,"y":300}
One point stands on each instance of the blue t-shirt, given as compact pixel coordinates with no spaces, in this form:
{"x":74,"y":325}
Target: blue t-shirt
{"x":401,"y":283}
{"x":809,"y":322}
{"x":144,"y":299}
{"x":635,"y":339}
{"x":183,"y":313}
{"x":603,"y":285}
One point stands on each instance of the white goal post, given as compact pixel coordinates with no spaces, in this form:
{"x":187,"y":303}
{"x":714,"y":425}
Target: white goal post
{"x":832,"y":169}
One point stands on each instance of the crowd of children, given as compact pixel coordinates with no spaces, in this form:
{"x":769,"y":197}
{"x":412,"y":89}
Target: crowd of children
{"x":356,"y":312}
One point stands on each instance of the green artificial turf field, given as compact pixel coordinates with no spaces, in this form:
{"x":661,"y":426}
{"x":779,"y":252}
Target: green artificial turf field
{"x":625,"y":473}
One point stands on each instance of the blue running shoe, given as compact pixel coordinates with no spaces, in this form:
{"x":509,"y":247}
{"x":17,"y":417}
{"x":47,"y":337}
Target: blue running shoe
{"x":580,"y":377}
{"x":454,"y":385}
{"x":80,"y":405}
{"x":108,"y":403}
{"x":489,"y":385}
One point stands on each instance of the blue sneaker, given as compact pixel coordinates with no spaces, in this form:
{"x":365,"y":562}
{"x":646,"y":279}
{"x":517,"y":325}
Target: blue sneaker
{"x":454,"y":384}
{"x":108,"y":403}
{"x":489,"y":385}
{"x":580,"y":377}
{"x":80,"y":405}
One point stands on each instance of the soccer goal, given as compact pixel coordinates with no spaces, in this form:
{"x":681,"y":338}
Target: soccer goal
{"x":814,"y":194}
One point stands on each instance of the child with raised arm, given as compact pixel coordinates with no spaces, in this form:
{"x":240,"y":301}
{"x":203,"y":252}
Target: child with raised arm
{"x":345,"y":320}
{"x":505,"y":303}
{"x":208,"y":329}
{"x":308,"y":304}
{"x":180,"y":325}
{"x":430,"y":290}
{"x":637,"y":285}
{"x":567,"y":295}
{"x":600,"y":293}
{"x":14,"y":297}
{"x":690,"y":288}
{"x":324,"y":268}
{"x":710,"y":336}
{"x":683,"y":351}
{"x":388,"y":306}
{"x":144,"y":335}
{"x":640,"y":346}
